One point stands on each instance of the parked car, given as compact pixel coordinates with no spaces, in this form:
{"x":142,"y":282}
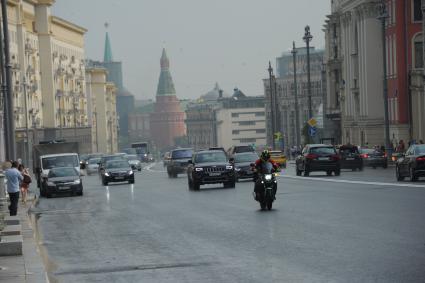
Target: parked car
{"x":134,"y":162}
{"x":62,"y":180}
{"x":210,"y":167}
{"x":117,"y":171}
{"x":279,"y":157}
{"x":350,"y":157}
{"x":178,"y":161}
{"x":373,"y":157}
{"x":239,"y":149}
{"x":411,"y":164}
{"x":92,"y":166}
{"x":318,"y":157}
{"x":242,"y":163}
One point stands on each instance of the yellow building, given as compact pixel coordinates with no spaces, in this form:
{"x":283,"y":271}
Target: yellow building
{"x":102,"y":110}
{"x":48,"y":75}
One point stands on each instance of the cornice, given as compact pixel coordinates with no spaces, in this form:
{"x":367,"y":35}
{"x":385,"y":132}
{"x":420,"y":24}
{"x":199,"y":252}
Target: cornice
{"x":68,"y":25}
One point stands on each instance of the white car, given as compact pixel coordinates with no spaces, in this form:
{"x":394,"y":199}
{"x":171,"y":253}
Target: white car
{"x":134,"y":162}
{"x":93,"y":166}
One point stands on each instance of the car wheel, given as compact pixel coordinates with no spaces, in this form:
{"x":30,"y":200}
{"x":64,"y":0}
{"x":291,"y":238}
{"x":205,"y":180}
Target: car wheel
{"x":337,"y":172}
{"x":189,"y":184}
{"x":329,"y":173}
{"x":361,"y":168}
{"x":80,"y":193}
{"x":354,"y":169}
{"x":229,"y":185}
{"x":413,"y":177}
{"x":398,"y":174}
{"x":306,"y":172}
{"x":131,"y":182}
{"x":298,"y":171}
{"x":105,"y":183}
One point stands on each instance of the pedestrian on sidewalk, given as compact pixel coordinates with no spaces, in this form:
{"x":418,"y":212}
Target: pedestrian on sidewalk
{"x":14,"y":178}
{"x":25,"y":182}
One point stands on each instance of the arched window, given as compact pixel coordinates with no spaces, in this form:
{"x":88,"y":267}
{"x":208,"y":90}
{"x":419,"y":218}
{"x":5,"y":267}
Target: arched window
{"x":417,"y":56}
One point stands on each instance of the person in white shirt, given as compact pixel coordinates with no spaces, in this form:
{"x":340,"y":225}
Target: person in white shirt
{"x":14,"y":178}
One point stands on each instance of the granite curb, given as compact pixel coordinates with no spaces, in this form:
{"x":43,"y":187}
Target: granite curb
{"x":28,"y":267}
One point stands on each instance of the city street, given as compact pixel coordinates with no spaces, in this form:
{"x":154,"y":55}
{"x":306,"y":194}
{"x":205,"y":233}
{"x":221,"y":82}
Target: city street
{"x":352,"y":228}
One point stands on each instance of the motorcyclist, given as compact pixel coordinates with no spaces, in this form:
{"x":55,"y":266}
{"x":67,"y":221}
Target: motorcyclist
{"x":264,"y":158}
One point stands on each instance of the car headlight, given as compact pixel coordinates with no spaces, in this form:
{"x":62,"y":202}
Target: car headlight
{"x":51,"y":184}
{"x":77,"y":182}
{"x":130,"y":172}
{"x":268,"y":177}
{"x":238,"y":169}
{"x":106,"y":174}
{"x":198,"y":169}
{"x":229,"y":167}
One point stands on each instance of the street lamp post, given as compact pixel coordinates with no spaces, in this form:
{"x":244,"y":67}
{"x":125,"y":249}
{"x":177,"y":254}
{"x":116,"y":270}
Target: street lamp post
{"x":27,"y":130}
{"x":307,"y":38}
{"x":297,"y":116}
{"x":383,"y":18}
{"x":272,"y":108}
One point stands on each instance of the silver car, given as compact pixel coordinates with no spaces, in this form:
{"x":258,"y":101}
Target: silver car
{"x":134,"y":162}
{"x":93,"y":166}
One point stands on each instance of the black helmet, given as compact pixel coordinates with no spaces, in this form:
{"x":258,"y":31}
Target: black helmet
{"x":265,"y":155}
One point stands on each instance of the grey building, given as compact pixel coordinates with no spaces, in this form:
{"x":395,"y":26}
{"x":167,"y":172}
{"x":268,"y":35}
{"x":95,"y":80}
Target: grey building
{"x":283,"y":86}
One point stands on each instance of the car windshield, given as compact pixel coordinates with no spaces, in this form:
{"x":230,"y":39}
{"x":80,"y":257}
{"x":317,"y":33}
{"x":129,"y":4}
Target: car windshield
{"x":60,"y":161}
{"x":369,"y":151}
{"x":62,"y":172}
{"x":245,"y":157}
{"x":117,"y":164}
{"x":132,"y":157}
{"x":112,"y":157}
{"x":420,"y":149}
{"x":206,"y":157}
{"x":185,"y":153}
{"x":245,"y":148}
{"x":322,"y":150}
{"x":94,"y":161}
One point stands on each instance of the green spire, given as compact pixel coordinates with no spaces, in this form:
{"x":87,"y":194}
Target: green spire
{"x":165,"y":84}
{"x":107,"y":55}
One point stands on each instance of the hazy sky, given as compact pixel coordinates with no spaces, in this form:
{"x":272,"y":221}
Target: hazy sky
{"x":224,"y":41}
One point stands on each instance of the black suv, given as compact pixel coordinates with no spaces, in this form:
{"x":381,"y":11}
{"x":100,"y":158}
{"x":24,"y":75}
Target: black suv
{"x":318,"y":157}
{"x":177,"y":163}
{"x":210,"y":167}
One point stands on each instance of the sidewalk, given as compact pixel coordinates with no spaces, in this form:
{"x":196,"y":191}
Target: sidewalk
{"x":28,"y":267}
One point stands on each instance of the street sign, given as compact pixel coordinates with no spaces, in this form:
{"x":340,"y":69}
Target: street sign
{"x":312,"y":122}
{"x":312,"y":131}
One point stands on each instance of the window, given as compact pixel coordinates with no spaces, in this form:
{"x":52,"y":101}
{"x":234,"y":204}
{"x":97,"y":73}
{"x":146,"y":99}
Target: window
{"x":418,"y":61}
{"x":248,"y":140}
{"x":247,"y":123}
{"x":417,"y":11}
{"x":260,"y":114}
{"x":262,"y":131}
{"x":235,"y":132}
{"x":235,"y":115}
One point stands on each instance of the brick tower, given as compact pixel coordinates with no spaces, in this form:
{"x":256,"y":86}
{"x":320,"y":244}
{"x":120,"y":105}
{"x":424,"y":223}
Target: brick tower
{"x":167,"y":121}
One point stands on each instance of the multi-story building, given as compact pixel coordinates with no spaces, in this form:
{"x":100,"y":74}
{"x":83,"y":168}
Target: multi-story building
{"x":283,"y":87}
{"x":241,"y":120}
{"x":355,"y":69}
{"x":47,"y":55}
{"x":101,"y":95}
{"x":219,"y":120}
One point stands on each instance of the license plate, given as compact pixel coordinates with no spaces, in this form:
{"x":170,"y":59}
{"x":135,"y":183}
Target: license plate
{"x":119,"y":178}
{"x":323,"y":158}
{"x":215,"y":174}
{"x":350,"y":158}
{"x":64,"y":188}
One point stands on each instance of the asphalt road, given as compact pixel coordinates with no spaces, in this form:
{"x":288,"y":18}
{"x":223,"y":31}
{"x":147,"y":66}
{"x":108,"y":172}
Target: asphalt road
{"x":352,"y":228}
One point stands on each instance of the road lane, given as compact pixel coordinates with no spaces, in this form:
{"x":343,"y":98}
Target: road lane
{"x":159,"y":231}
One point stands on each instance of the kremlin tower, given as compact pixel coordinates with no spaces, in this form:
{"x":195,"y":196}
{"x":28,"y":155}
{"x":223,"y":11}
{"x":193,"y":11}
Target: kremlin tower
{"x":167,"y":120}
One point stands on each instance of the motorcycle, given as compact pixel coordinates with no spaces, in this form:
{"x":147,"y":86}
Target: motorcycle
{"x":265,"y":185}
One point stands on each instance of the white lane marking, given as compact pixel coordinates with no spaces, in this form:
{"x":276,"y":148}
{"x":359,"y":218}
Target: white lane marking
{"x":353,"y":182}
{"x":150,"y":166}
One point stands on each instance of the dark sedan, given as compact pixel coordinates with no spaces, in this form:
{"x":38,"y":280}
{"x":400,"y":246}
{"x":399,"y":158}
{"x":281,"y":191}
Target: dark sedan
{"x":117,"y":171}
{"x":374,"y":158}
{"x":243,"y":162}
{"x":350,"y":157}
{"x":318,"y":157}
{"x":210,"y":167}
{"x":411,"y":164}
{"x":62,"y":180}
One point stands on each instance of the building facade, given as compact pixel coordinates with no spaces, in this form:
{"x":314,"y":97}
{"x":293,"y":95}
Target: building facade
{"x":201,"y":125}
{"x":355,"y":69}
{"x":167,"y":120}
{"x":102,"y":117}
{"x":47,"y":57}
{"x":283,"y":87}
